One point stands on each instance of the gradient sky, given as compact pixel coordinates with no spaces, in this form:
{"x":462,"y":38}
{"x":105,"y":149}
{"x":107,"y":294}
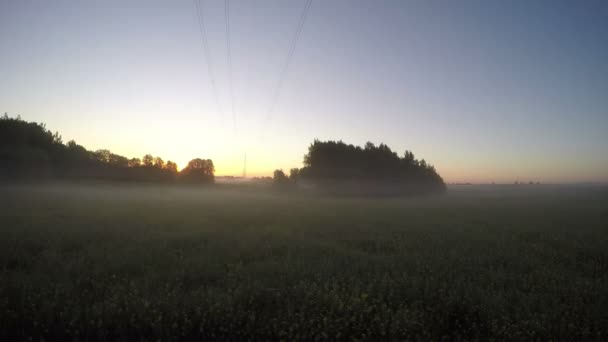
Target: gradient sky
{"x":484,"y":90}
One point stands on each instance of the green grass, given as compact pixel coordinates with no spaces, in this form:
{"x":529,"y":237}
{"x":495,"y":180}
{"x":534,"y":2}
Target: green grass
{"x":111,"y":262}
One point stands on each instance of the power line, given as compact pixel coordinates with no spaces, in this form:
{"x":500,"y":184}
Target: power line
{"x":283,"y":73}
{"x":229,"y":57}
{"x":201,"y":26}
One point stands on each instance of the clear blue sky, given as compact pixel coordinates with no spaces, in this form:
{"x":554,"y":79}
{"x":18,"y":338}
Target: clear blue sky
{"x":484,"y":90}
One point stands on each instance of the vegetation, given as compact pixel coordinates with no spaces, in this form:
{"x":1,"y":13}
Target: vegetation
{"x":152,"y":262}
{"x":199,"y":171}
{"x":30,"y":151}
{"x":371,"y":169}
{"x":279,"y":177}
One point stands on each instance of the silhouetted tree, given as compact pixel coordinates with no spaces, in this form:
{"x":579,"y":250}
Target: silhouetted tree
{"x":279,"y":177}
{"x":294,"y":174}
{"x":119,"y":161}
{"x":57,"y":140}
{"x":29,"y":150}
{"x":198,"y":171}
{"x":171,"y":167}
{"x":148,"y":160}
{"x":134,"y":162}
{"x":337,"y":161}
{"x":76,"y":153}
{"x":159,"y":163}
{"x":103,"y":156}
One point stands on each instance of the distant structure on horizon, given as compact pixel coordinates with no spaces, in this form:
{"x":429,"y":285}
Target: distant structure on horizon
{"x":245,"y":166}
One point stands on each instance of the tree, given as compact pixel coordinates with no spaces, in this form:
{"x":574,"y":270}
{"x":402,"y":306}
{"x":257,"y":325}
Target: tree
{"x":76,"y":154}
{"x":409,"y":158}
{"x":199,"y":171}
{"x":171,"y":167}
{"x":148,"y":160}
{"x":422,"y":164}
{"x":57,"y":139}
{"x":159,"y":163}
{"x":30,"y":150}
{"x":134,"y":162}
{"x":336,"y":161}
{"x":294,"y":174}
{"x":279,"y":177}
{"x":118,"y":160}
{"x":103,"y":156}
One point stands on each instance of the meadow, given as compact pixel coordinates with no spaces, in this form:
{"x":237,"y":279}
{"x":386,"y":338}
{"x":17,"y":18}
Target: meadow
{"x":128,"y":262}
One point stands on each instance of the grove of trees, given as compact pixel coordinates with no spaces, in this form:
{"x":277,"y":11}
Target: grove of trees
{"x":337,"y":165}
{"x":28,"y":150}
{"x":199,"y":171}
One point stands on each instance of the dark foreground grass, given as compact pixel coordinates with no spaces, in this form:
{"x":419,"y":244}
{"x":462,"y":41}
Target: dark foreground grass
{"x":100,"y":262}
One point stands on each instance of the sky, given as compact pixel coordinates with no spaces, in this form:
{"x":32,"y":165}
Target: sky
{"x":487,"y":91}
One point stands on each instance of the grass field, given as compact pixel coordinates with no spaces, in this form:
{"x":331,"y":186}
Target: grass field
{"x":125,"y":262}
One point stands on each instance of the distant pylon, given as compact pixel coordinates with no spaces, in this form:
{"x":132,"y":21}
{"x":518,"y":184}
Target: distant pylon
{"x":245,"y":166}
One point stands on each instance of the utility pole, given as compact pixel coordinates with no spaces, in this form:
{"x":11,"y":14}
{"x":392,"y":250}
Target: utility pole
{"x":245,"y":166}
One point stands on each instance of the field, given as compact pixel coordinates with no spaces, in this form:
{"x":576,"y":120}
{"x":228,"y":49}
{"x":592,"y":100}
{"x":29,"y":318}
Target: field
{"x":137,"y":262}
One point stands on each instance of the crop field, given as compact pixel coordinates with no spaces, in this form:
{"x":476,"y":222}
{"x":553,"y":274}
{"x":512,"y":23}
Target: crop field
{"x":146,"y":262}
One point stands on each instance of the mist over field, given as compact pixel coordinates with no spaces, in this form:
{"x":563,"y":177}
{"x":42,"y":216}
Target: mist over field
{"x":112,"y":261}
{"x":303,"y":170}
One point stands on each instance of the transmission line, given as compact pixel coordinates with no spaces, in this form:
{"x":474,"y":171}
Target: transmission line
{"x":205,"y":44}
{"x":229,"y":57}
{"x":283,"y":72}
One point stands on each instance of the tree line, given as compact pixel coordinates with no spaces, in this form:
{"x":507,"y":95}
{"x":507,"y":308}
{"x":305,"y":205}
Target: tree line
{"x":28,"y":150}
{"x":331,"y":163}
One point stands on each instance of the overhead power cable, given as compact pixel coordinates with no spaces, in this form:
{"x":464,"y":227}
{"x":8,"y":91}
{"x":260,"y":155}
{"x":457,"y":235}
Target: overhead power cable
{"x":205,"y":45}
{"x":283,"y":72}
{"x":229,"y":62}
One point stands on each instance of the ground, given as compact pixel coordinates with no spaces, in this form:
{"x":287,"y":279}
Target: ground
{"x":131,"y":262}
